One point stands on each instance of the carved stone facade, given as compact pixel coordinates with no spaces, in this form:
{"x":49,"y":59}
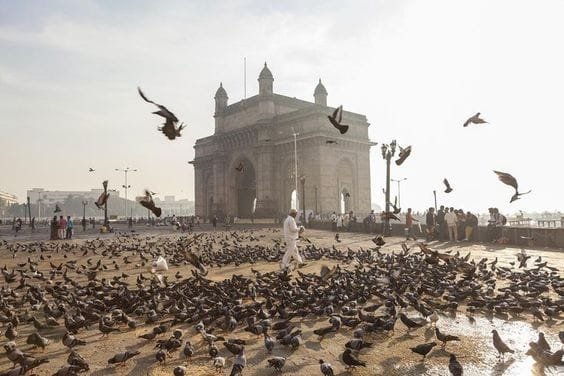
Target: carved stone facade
{"x":251,"y":156}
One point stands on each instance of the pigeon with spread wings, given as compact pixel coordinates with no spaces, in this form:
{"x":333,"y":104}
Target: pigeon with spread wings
{"x":476,"y":119}
{"x":336,"y":119}
{"x":447,"y":185}
{"x":147,"y":202}
{"x":511,"y":181}
{"x":239,"y":167}
{"x":169,"y":128}
{"x":403,"y":154}
{"x":101,"y":201}
{"x":90,"y":169}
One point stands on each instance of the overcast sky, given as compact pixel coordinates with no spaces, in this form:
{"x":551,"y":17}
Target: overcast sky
{"x":417,"y":69}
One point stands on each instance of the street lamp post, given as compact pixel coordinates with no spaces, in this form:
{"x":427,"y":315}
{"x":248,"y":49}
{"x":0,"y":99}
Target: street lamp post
{"x":125,"y":171}
{"x":302,"y":179}
{"x":399,"y":191}
{"x":388,"y":152}
{"x":315,"y":190}
{"x":29,"y":209}
{"x":105,"y":184}
{"x":84,"y":203}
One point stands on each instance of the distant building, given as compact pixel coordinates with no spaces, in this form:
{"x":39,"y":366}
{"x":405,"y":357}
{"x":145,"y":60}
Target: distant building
{"x":7,"y":199}
{"x":52,"y":197}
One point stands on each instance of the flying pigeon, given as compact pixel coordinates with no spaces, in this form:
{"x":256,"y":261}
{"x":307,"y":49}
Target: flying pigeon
{"x":169,"y":129}
{"x":148,"y":203}
{"x":403,"y":154}
{"x":239,"y":167}
{"x":90,"y":169}
{"x":511,"y":181}
{"x":448,"y":187}
{"x":330,"y":142}
{"x":336,"y":119}
{"x":102,"y":199}
{"x":474,"y":120}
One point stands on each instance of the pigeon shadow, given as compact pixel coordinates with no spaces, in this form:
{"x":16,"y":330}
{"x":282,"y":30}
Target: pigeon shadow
{"x":500,"y":368}
{"x":418,"y":369}
{"x":429,"y":332}
{"x":439,"y":352}
{"x":402,"y":338}
{"x":312,"y":345}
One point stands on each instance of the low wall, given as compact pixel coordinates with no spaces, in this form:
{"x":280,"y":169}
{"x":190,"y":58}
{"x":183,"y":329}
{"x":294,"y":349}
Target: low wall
{"x":543,"y":236}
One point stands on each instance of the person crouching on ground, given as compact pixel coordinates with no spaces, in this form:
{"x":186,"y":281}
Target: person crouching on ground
{"x":291,"y":234}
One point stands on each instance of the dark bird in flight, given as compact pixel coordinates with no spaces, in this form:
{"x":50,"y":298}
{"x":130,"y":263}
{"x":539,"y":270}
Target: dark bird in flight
{"x":511,"y":181}
{"x":90,"y":169}
{"x":476,"y":119}
{"x":403,"y":154}
{"x":395,"y":206}
{"x":57,"y":208}
{"x":147,"y":202}
{"x":101,"y":201}
{"x":447,"y":185}
{"x":336,"y":119}
{"x":330,"y":142}
{"x":169,"y":129}
{"x":239,"y":167}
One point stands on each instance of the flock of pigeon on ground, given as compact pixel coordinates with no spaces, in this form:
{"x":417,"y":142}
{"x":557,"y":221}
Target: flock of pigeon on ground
{"x":363,"y":296}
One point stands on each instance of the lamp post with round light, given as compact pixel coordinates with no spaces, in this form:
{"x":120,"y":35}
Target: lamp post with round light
{"x":388,"y":151}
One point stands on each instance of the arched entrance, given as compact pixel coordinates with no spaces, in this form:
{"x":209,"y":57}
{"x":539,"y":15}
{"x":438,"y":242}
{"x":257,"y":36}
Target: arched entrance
{"x":245,"y":189}
{"x":294,"y":200}
{"x":345,"y":198}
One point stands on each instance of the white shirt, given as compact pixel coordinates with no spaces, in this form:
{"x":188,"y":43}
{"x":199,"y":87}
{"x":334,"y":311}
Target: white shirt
{"x":290,"y":229}
{"x":450,"y":218}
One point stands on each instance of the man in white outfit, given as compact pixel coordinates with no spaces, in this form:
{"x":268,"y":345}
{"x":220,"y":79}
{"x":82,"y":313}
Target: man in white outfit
{"x":291,"y":234}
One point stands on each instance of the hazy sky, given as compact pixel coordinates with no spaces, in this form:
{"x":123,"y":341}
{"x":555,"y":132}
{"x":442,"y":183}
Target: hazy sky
{"x":417,"y":69}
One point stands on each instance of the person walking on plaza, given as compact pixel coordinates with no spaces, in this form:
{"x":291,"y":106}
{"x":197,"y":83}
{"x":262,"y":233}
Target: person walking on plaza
{"x":450,"y":219}
{"x":471,"y":224}
{"x":18,"y":226}
{"x":333,"y":221}
{"x":214,"y":222}
{"x":441,"y":226}
{"x":32,"y":224}
{"x":70,"y":227}
{"x":291,"y":234}
{"x":62,"y":227}
{"x":54,"y":228}
{"x":431,"y":223}
{"x":409,"y":225}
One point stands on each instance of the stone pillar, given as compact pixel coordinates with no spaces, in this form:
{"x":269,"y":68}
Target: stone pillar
{"x":219,"y":185}
{"x":199,"y":191}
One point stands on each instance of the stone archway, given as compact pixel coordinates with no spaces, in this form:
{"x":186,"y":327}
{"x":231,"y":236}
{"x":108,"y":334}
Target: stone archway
{"x":346,"y":183}
{"x":245,"y":188}
{"x":345,"y":201}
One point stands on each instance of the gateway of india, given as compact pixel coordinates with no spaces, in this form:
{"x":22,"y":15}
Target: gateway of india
{"x":246,"y":168}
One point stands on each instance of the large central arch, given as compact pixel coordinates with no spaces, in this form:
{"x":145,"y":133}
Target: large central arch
{"x":245,"y":188}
